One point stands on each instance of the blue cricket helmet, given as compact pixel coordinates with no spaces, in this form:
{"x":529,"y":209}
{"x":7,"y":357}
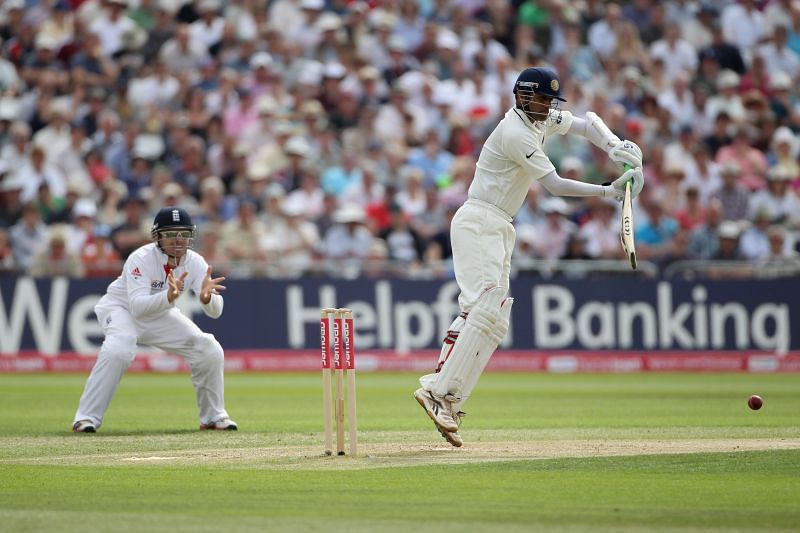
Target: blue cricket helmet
{"x":171,"y":218}
{"x":540,"y":81}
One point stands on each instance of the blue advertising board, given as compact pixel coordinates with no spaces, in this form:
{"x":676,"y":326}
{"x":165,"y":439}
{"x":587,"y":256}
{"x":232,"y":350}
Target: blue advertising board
{"x":52,"y":316}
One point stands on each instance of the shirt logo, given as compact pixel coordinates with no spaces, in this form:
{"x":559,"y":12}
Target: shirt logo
{"x":136,"y":273}
{"x":156,"y":284}
{"x":528,"y":156}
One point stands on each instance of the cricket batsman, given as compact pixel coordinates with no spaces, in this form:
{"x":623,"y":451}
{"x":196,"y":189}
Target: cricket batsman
{"x":139,"y":308}
{"x":483,"y":236}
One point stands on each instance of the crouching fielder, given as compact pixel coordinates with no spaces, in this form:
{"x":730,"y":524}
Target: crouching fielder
{"x":139,"y":308}
{"x":483,"y":236}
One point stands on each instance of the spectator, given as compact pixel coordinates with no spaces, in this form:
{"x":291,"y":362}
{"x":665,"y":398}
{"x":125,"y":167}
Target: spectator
{"x":337,"y":179}
{"x":55,"y":259}
{"x":754,"y":243}
{"x":727,"y":98}
{"x":366,"y":191}
{"x":742,"y":24}
{"x":732,"y":194}
{"x":294,"y":242}
{"x":599,"y":236}
{"x":679,"y":55}
{"x":91,"y":66}
{"x":37,"y":171}
{"x":404,"y":244}
{"x":214,"y":205}
{"x":98,"y":257}
{"x":719,"y":135}
{"x":779,"y":256}
{"x":7,"y":263}
{"x":399,"y":120}
{"x":555,"y":231}
{"x":11,"y":206}
{"x":752,"y":162}
{"x":602,"y":35}
{"x":777,"y":199}
{"x":431,"y":158}
{"x":412,"y":199}
{"x":704,"y":239}
{"x":729,"y":233}
{"x":348,"y":242}
{"x":692,"y":214}
{"x":182,"y":54}
{"x":134,"y":231}
{"x":655,"y":234}
{"x":242,"y":238}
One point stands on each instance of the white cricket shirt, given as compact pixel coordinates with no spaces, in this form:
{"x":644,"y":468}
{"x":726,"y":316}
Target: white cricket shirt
{"x":512,"y":158}
{"x":142,"y":286}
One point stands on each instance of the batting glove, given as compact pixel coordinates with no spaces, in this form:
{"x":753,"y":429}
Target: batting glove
{"x":617,"y":187}
{"x":626,"y":153}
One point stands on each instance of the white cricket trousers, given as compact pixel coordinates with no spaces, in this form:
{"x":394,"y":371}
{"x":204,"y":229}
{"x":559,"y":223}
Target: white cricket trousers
{"x":483,"y":238}
{"x":173,"y":333}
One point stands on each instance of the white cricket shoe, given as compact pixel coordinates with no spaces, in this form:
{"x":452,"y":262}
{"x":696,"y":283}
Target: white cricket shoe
{"x":84,"y":426}
{"x":438,"y":409}
{"x":221,"y":424}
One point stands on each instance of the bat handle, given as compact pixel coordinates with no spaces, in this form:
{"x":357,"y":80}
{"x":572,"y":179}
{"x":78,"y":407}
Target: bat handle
{"x":627,"y":167}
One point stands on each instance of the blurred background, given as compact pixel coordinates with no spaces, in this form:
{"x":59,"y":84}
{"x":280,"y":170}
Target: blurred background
{"x":322,"y":146}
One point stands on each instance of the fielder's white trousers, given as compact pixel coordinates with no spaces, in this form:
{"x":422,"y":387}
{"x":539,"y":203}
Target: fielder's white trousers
{"x":482,"y":237}
{"x":173,"y":333}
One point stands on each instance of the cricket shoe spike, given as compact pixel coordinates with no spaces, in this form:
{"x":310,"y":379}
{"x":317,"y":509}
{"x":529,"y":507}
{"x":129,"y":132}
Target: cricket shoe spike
{"x":438,"y":409}
{"x":84,"y":426}
{"x":225,"y":424}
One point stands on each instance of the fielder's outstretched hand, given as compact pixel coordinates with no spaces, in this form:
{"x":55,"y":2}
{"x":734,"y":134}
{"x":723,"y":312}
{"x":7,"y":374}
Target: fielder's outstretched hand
{"x":617,"y":187}
{"x":175,"y":286}
{"x":210,"y":286}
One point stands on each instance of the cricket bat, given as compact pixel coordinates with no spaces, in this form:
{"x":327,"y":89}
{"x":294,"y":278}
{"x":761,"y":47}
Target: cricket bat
{"x":626,"y":226}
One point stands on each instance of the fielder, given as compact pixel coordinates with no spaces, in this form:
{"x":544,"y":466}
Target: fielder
{"x":483,"y":236}
{"x":139,"y":308}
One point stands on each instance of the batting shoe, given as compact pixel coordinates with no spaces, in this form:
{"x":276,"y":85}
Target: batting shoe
{"x":221,"y":424}
{"x":84,"y":426}
{"x":438,"y":409}
{"x":453,"y":437}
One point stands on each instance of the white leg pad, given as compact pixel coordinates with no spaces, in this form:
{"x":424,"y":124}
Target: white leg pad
{"x":485,"y":328}
{"x":427,"y":381}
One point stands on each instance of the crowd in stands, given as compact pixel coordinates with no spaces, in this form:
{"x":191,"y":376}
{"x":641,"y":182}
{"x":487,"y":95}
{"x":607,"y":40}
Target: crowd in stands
{"x":340,"y":136}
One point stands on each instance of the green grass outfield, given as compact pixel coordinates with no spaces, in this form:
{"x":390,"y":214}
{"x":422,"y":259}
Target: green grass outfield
{"x":542,"y":452}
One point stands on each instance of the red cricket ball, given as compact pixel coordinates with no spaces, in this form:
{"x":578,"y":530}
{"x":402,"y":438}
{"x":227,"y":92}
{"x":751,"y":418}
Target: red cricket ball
{"x":755,"y":402}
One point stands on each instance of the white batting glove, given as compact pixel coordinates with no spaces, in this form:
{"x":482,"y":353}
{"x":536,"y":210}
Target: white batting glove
{"x":617,"y":187}
{"x":626,"y":153}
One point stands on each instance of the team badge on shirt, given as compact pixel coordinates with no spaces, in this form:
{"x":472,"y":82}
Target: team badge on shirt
{"x":136,"y":273}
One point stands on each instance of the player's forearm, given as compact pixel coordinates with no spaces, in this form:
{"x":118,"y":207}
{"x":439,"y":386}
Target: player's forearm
{"x":213,"y":309}
{"x":597,"y":136}
{"x":145,"y":305}
{"x":559,"y":186}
